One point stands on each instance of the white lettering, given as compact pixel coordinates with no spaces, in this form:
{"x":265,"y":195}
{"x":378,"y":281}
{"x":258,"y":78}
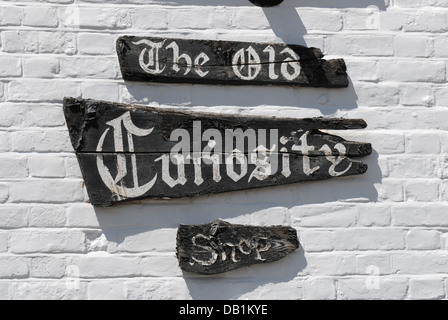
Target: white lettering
{"x":176,"y":58}
{"x":253,"y":64}
{"x":271,"y":51}
{"x":198,"y":64}
{"x":121,"y":190}
{"x":153,"y":56}
{"x":292,"y":62}
{"x":335,"y":160}
{"x":305,"y":150}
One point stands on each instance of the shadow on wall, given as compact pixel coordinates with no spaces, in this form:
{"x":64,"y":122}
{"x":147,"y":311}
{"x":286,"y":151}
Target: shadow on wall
{"x":381,"y":4}
{"x":287,"y":25}
{"x":151,"y":226}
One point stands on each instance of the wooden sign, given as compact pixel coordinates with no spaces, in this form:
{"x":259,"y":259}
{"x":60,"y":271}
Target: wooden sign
{"x":227,"y":62}
{"x":133,"y":152}
{"x":219,"y":246}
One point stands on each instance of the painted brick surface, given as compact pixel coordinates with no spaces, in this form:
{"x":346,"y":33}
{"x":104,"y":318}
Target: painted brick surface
{"x":382,"y":235}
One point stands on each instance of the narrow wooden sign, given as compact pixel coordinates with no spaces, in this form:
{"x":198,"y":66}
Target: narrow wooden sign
{"x":227,"y":62}
{"x":133,"y":152}
{"x":219,"y":246}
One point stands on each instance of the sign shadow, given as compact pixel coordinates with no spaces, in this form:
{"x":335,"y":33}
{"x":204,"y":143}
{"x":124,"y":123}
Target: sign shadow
{"x":381,"y":4}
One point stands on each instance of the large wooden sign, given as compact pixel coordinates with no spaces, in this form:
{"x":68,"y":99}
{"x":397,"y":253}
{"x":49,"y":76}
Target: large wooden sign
{"x":131,"y":152}
{"x":219,"y":246}
{"x":227,"y":62}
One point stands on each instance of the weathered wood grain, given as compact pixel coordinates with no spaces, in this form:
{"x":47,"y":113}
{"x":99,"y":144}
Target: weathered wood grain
{"x":227,"y":62}
{"x":219,"y":246}
{"x":130,"y":153}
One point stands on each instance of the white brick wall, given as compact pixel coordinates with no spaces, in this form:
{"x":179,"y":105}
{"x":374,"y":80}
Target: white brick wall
{"x":382,"y":235}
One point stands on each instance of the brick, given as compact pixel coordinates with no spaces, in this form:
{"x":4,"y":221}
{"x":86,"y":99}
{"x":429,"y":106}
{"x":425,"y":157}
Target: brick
{"x":160,"y":240}
{"x":360,"y":45}
{"x":369,"y":239}
{"x":4,"y":142}
{"x":47,"y":166}
{"x":46,"y":290}
{"x":47,"y":67}
{"x":364,"y":288}
{"x":43,"y":115}
{"x":420,"y":263}
{"x":47,"y":217}
{"x":363,"y":19}
{"x":20,"y":41}
{"x":4,"y":192}
{"x":407,"y":45}
{"x":329,"y":264}
{"x":167,"y":288}
{"x":47,"y":267}
{"x":82,"y":216}
{"x":106,"y":290}
{"x":47,"y":241}
{"x":42,"y":90}
{"x":10,"y":66}
{"x":421,"y":239}
{"x":13,"y":267}
{"x":13,"y":217}
{"x":374,"y":215}
{"x":100,"y":91}
{"x":319,"y":289}
{"x":322,"y":20}
{"x":412,"y":71}
{"x":88,"y":67}
{"x":96,"y":44}
{"x":423,"y":142}
{"x":373,"y":263}
{"x":271,"y":291}
{"x":316,"y":240}
{"x":11,"y":16}
{"x":3,"y":242}
{"x":161,"y":266}
{"x":4,"y":291}
{"x":150,"y":18}
{"x":106,"y":266}
{"x":41,"y":141}
{"x":424,"y":215}
{"x":419,"y":96}
{"x":324,"y":216}
{"x":426,"y":289}
{"x":422,"y":190}
{"x":104,"y":18}
{"x":13,"y":167}
{"x":390,"y":190}
{"x":40,"y":16}
{"x":413,"y":167}
{"x":57,"y":42}
{"x":50,"y":190}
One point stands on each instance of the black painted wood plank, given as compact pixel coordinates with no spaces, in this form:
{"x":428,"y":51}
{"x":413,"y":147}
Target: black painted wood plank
{"x":219,"y":246}
{"x":100,"y":172}
{"x":131,"y":153}
{"x":227,"y":62}
{"x":87,"y":121}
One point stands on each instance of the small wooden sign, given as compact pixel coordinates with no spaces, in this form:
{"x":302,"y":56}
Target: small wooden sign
{"x":133,"y":152}
{"x":219,"y":246}
{"x":227,"y":62}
